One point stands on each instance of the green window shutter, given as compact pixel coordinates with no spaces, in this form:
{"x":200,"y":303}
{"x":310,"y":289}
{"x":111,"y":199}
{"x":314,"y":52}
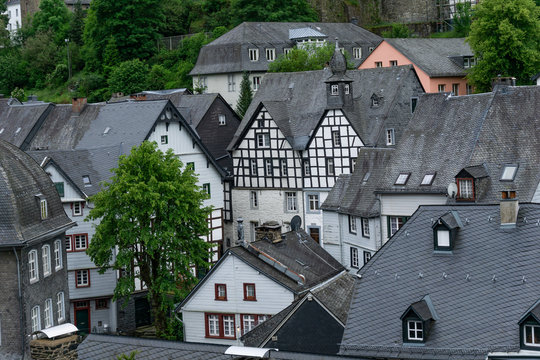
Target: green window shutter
{"x":59,"y":188}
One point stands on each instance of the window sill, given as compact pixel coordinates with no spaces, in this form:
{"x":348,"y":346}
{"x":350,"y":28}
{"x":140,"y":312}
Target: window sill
{"x":250,"y":299}
{"x":220,"y":337}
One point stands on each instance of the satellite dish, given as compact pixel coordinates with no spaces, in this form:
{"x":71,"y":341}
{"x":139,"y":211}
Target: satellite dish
{"x":296,"y":222}
{"x":452,"y":190}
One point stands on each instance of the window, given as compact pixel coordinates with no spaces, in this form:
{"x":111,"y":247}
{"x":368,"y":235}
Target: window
{"x":346,"y":89}
{"x":43,"y":208}
{"x":231,"y":83}
{"x":46,"y":260}
{"x":221,"y":120}
{"x":102,"y":304}
{"x":263,"y":140}
{"x":441,"y":87}
{"x":531,"y":335}
{"x":249,"y":321}
{"x":313,"y":201}
{"x":371,"y":48}
{"x":336,"y":139}
{"x":67,"y":241}
{"x":164,"y":139}
{"x":395,"y":223}
{"x":357,"y":53}
{"x":221,"y":292}
{"x":190,"y":165}
{"x":393,"y":62}
{"x":33,"y":266}
{"x":354,"y":257}
{"x":76,"y":208}
{"x":268,"y":167}
{"x":469,"y":89}
{"x":455,"y":89}
{"x":390,"y":137}
{"x":254,"y":54}
{"x":468,"y":62}
{"x":270,"y":54}
{"x":253,"y":163}
{"x":443,"y":238}
{"x":374,"y":101}
{"x":291,"y":203}
{"x":206,"y":188}
{"x":414,"y":102}
{"x":378,"y":64}
{"x":353,"y":164}
{"x":36,"y":319}
{"x":249,"y":292}
{"x":509,"y":173}
{"x":253,"y":199}
{"x":284,"y":170}
{"x":286,"y":51}
{"x":60,"y":188}
{"x":414,"y":330}
{"x":465,"y":189}
{"x":367,"y":257}
{"x":220,"y":325}
{"x":330,"y":170}
{"x":81,"y":242}
{"x":256,"y":82}
{"x":57,"y":255}
{"x":352,"y":224}
{"x":306,"y":167}
{"x":82,"y":278}
{"x":48,"y":313}
{"x":428,"y":179}
{"x":334,"y":90}
{"x":86,"y":180}
{"x":402,"y":179}
{"x":365,"y":226}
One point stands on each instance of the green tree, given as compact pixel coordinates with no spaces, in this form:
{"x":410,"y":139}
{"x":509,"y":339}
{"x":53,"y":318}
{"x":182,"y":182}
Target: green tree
{"x":305,"y":59}
{"x":128,"y":77}
{"x":271,"y":10}
{"x":505,"y":38}
{"x":133,"y":26}
{"x":462,"y":19}
{"x":4,"y":33}
{"x":179,"y":14}
{"x":152,"y":212}
{"x":41,"y":55}
{"x":397,"y":31}
{"x":76,"y":26}
{"x":246,"y":95}
{"x":53,"y":16}
{"x":158,"y":77}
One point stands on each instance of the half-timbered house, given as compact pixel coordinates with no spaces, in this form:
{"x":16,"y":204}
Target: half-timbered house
{"x":293,"y":144}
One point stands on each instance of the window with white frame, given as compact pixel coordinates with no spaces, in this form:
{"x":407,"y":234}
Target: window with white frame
{"x":254,"y":54}
{"x":336,"y":138}
{"x":352,"y":224}
{"x":164,"y":139}
{"x":402,"y":179}
{"x":509,"y":173}
{"x":357,"y":53}
{"x":313,"y":201}
{"x":253,"y":167}
{"x":206,"y":188}
{"x":415,"y":330}
{"x":291,"y":201}
{"x":367,"y":257}
{"x":334,"y":90}
{"x":81,"y":242}
{"x":395,"y":223}
{"x":286,"y":51}
{"x":365,"y":226}
{"x":77,"y":208}
{"x":43,"y":208}
{"x":46,"y":260}
{"x":270,"y":54}
{"x":465,"y":189}
{"x":253,"y":199}
{"x":212,"y":322}
{"x":354,"y":257}
{"x":455,"y":89}
{"x":68,"y":242}
{"x":393,"y":62}
{"x":256,"y":82}
{"x":306,"y":167}
{"x":36,"y":318}
{"x":48,"y":313}
{"x":378,"y":64}
{"x":220,"y":325}
{"x":231,"y":83}
{"x":60,"y":309}
{"x":441,"y":87}
{"x":263,"y":140}
{"x":228,"y":326}
{"x":268,"y":167}
{"x":284,"y":167}
{"x":428,"y":179}
{"x":248,"y":323}
{"x":390,"y":137}
{"x":33,"y":266}
{"x":330,"y":169}
{"x":353,"y":164}
{"x":82,"y":278}
{"x":221,"y":120}
{"x":531,"y":334}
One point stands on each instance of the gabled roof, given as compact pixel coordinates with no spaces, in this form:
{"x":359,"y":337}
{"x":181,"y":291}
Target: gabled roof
{"x":18,"y":123}
{"x":230,"y":52}
{"x":480,"y":291}
{"x":22,"y":185}
{"x":297,"y":112}
{"x":74,"y":164}
{"x":434,"y":55}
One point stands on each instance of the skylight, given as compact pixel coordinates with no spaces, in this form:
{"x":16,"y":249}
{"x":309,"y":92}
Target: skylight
{"x":402,"y":179}
{"x":509,"y":172}
{"x":1,"y":130}
{"x":428,"y":179}
{"x":86,"y":180}
{"x":366,"y":177}
{"x":106,"y":131}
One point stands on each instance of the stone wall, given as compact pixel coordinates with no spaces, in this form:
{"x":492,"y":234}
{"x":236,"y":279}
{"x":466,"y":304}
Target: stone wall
{"x":59,"y":349}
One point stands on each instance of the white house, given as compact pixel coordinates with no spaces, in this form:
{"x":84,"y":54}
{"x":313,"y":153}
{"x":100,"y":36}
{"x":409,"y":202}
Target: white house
{"x":13,"y":12}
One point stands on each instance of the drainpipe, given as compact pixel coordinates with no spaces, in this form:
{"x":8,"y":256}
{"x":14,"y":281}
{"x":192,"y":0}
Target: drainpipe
{"x":378,"y":198}
{"x":20,"y":302}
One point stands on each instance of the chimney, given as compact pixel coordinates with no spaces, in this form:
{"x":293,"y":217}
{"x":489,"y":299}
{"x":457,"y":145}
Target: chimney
{"x":241,"y":240}
{"x":78,"y":105}
{"x":509,"y":209}
{"x":503,"y":80}
{"x":138,"y":97}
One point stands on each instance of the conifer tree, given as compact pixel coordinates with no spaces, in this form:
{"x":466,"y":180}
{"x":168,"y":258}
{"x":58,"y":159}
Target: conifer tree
{"x":246,"y":95}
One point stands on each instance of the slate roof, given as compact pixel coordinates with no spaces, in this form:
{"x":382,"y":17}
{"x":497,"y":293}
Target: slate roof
{"x":194,"y":107}
{"x":230,"y":52}
{"x":17,"y":122}
{"x":95,"y":163}
{"x":297,"y":113}
{"x":434,"y":55}
{"x":477,"y":290}
{"x":107,"y":347}
{"x":21,"y":179}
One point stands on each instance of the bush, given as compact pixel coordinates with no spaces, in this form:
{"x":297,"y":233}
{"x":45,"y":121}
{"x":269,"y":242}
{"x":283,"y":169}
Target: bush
{"x":58,"y":76}
{"x":129,"y":77}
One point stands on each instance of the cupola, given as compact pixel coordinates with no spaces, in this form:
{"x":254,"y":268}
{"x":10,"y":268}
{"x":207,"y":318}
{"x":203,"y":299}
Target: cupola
{"x":338,"y":85}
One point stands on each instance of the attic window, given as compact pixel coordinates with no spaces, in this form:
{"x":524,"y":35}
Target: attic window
{"x":86,"y":180}
{"x":106,"y":131}
{"x":428,"y":179}
{"x":529,"y":328}
{"x":417,"y":320}
{"x":509,"y":173}
{"x":465,"y":188}
{"x":415,"y":331}
{"x":366,"y":177}
{"x":402,"y":179}
{"x":1,"y":130}
{"x":531,"y":335}
{"x":445,"y":231}
{"x":334,"y":90}
{"x":254,"y":54}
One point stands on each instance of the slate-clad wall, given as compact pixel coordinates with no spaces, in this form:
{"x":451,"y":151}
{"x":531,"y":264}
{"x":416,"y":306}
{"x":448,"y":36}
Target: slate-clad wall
{"x":10,"y":340}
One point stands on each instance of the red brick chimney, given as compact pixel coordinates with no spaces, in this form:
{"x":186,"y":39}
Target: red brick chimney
{"x":78,"y":105}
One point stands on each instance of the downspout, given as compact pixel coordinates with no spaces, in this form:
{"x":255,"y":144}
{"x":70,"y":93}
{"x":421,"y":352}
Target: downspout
{"x":378,"y":198}
{"x":20,"y":302}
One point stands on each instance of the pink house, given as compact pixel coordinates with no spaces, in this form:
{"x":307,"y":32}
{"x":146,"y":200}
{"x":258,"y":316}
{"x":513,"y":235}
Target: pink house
{"x":441,"y":64}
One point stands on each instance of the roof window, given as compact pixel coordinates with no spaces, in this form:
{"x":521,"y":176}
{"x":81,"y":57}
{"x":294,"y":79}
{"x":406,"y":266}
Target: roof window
{"x":402,"y":179}
{"x":86,"y":180}
{"x":509,"y":172}
{"x":428,"y":179}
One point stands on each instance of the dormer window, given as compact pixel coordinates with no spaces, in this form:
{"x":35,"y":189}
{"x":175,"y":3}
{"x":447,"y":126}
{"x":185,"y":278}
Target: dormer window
{"x":334,"y":90}
{"x":509,"y":173}
{"x":417,"y":320}
{"x":415,"y":331}
{"x":270,"y":54}
{"x":254,"y":54}
{"x":465,"y":188}
{"x":445,"y":231}
{"x":529,"y":328}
